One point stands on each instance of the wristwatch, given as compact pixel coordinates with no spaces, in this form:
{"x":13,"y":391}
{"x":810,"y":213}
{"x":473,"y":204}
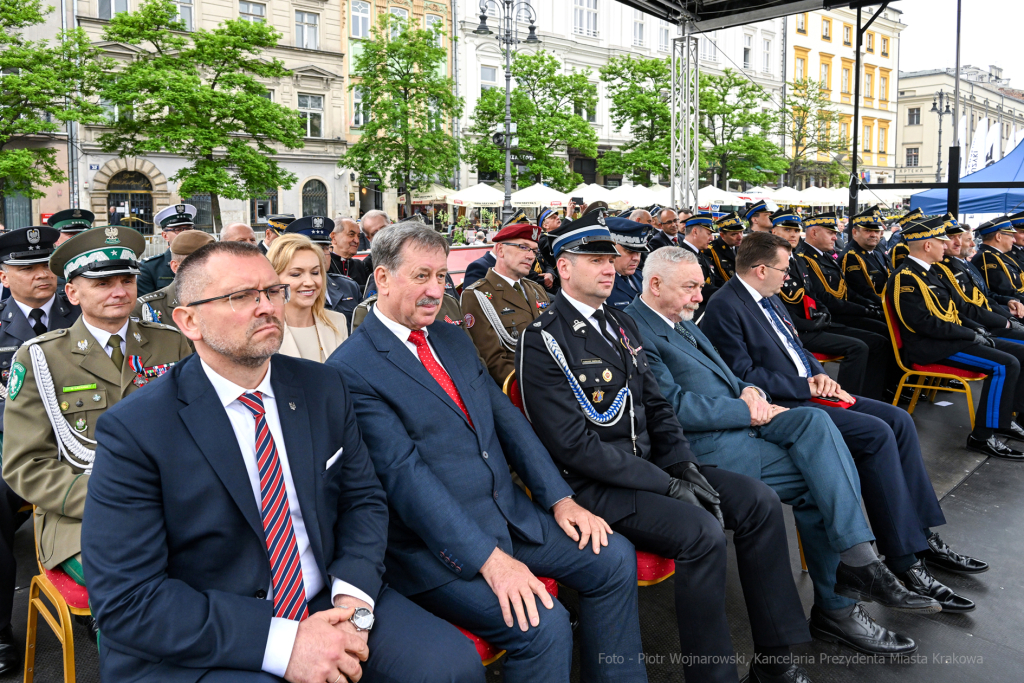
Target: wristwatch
{"x":362,"y":619}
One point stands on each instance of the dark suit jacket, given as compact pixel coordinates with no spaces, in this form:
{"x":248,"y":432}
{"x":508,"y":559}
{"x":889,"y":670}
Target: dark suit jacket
{"x":661,"y":239}
{"x":451,"y":495}
{"x":746,"y":341}
{"x":622,"y":294}
{"x":343,"y":295}
{"x":598,"y":462}
{"x":16,"y":329}
{"x":349,"y":267}
{"x":477,"y":270}
{"x":173,"y":545}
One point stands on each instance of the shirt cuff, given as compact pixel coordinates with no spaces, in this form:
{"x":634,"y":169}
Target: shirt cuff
{"x":339,"y":587}
{"x":280,"y":642}
{"x":759,"y":390}
{"x":560,"y":500}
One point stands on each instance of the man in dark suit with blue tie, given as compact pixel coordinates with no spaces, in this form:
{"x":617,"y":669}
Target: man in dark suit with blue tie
{"x":257,"y":526}
{"x":749,"y":326}
{"x":631,"y":241}
{"x":464,"y":541}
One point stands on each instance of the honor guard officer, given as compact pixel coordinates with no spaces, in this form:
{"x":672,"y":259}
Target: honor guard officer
{"x":498,"y":307}
{"x":632,"y":242}
{"x":759,"y":217}
{"x":596,"y":406}
{"x":156,"y":307}
{"x":935,"y":330}
{"x":723,"y":249}
{"x":34,"y":307}
{"x":343,"y":293}
{"x":699,"y":230}
{"x":863,"y":263}
{"x":899,"y":251}
{"x":1002,"y":274}
{"x":64,"y":380}
{"x":70,"y":222}
{"x":276,"y":224}
{"x":155,"y":272}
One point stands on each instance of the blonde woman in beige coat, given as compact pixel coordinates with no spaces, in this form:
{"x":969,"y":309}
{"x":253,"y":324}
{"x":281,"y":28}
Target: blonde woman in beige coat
{"x":310,"y":331}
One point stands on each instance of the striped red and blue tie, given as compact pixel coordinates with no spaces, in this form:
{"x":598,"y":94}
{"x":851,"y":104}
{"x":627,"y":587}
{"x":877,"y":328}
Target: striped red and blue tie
{"x":289,"y":590}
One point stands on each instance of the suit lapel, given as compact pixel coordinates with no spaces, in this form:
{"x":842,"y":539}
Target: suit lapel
{"x":507,"y":292}
{"x":594,"y":343}
{"x":759,"y":314}
{"x":17,"y":325}
{"x":93,"y":358}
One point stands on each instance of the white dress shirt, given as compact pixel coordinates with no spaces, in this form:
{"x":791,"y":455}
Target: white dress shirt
{"x":282,"y":631}
{"x":403,"y":332}
{"x":102,"y":336}
{"x":46,"y":309}
{"x":926,"y":266}
{"x":797,"y":361}
{"x":509,"y":280}
{"x":588,"y":313}
{"x":692,"y":246}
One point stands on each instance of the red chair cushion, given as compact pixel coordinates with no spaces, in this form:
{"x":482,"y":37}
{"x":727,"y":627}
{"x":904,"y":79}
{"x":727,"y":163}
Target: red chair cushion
{"x":947,"y":370}
{"x":651,"y":567}
{"x":894,"y":328}
{"x":515,"y":396}
{"x":825,"y":357}
{"x":550,"y":584}
{"x":488,"y":651}
{"x":76,"y":596}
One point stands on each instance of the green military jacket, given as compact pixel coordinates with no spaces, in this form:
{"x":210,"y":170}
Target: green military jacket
{"x":85,"y":384}
{"x":157,"y":306}
{"x":496,"y":343}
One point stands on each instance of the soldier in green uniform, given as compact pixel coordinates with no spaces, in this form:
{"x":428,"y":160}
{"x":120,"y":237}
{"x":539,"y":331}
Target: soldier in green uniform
{"x":864,"y":265}
{"x":63,"y":381}
{"x":497,"y":308}
{"x":155,"y":272}
{"x":70,"y":222}
{"x":156,"y":307}
{"x":722,"y":251}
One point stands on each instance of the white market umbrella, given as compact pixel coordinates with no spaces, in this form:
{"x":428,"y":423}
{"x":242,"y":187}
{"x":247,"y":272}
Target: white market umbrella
{"x":818,"y":196}
{"x":431,"y":195}
{"x":479,"y":195}
{"x":710,"y":195}
{"x":540,"y":196}
{"x":787,"y":195}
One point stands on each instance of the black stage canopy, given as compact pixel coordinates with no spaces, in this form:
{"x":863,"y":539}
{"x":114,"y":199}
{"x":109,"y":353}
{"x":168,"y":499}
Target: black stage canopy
{"x":709,"y":15}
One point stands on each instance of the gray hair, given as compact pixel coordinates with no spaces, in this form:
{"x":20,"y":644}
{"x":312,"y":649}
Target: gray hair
{"x":376,"y":213}
{"x":387,"y":247}
{"x":661,"y":261}
{"x":339,"y":224}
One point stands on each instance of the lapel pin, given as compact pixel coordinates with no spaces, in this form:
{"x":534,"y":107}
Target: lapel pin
{"x":578,"y":325}
{"x":83,"y":345}
{"x":291,"y":405}
{"x":138,"y":337}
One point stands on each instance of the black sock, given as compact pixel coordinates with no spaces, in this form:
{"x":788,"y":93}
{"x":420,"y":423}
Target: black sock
{"x":900,"y":564}
{"x":773,"y":661}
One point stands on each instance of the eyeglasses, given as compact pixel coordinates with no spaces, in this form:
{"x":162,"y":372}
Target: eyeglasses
{"x":522,"y":247}
{"x":784,"y":271}
{"x":177,"y":229}
{"x":248,"y":299}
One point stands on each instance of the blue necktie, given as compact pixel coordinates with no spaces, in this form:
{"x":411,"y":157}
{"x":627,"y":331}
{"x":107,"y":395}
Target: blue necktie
{"x":766,"y":304}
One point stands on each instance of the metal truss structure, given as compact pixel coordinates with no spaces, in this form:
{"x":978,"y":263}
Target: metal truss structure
{"x":684,"y":151}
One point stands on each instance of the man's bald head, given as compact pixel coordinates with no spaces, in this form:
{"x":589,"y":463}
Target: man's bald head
{"x":238,"y":232}
{"x":641,"y":216}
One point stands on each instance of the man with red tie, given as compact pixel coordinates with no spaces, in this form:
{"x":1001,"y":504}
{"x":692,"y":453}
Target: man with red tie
{"x":257,"y":542}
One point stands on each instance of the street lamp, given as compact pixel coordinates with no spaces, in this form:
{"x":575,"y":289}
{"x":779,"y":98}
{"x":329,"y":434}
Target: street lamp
{"x":508,"y":36}
{"x":937,"y":108}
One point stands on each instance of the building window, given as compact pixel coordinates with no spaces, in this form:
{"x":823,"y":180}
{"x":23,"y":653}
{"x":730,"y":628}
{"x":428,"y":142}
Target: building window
{"x":435,"y":22}
{"x":588,"y":116}
{"x":252,"y":11}
{"x":360,"y":109}
{"x":801,"y":23}
{"x":708,"y":48}
{"x":748,"y":51}
{"x":868,"y":91}
{"x":867,"y":139}
{"x":766,"y":56}
{"x":883,"y":87}
{"x":912,"y":156}
{"x":846,"y":81}
{"x":826,"y":29}
{"x":914,"y":116}
{"x":664,"y":36}
{"x":638,"y":28}
{"x":306,"y":34}
{"x":801,"y":68}
{"x":268,"y":95}
{"x":398,"y":13}
{"x":885,"y":47}
{"x":870,"y":42}
{"x":488,"y":78}
{"x":883,"y":134}
{"x":584,"y":17}
{"x":844,"y":134}
{"x":311,"y":110}
{"x":847,"y":35}
{"x":185,"y":13}
{"x":314,"y":198}
{"x":360,"y":19}
{"x":825,"y":83}
{"x":108,"y":8}
{"x":523,"y":14}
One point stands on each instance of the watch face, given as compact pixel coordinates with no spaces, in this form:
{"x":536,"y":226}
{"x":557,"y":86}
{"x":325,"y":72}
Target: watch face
{"x":362,"y":618}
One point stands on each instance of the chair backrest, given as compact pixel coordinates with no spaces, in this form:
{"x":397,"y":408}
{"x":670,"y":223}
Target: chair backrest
{"x":511,"y":389}
{"x":894,"y":328}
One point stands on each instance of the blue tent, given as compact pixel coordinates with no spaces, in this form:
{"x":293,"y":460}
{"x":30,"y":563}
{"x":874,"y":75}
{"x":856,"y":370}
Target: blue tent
{"x":1005,"y":201}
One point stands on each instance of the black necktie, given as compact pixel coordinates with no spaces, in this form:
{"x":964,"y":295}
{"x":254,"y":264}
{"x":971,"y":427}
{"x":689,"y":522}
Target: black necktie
{"x":686,"y":334}
{"x":36,"y":316}
{"x":602,"y":323}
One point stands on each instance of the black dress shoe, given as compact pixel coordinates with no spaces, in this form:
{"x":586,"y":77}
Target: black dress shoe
{"x":10,"y":651}
{"x":875,"y":583}
{"x":794,"y":674}
{"x":942,"y":556}
{"x":90,"y":624}
{"x":859,"y":632}
{"x":994,"y":447}
{"x":1014,"y":431}
{"x":918,"y":580}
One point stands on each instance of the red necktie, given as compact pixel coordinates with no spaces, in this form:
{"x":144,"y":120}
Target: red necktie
{"x":419,"y":340}
{"x":675,"y":240}
{"x":289,"y":589}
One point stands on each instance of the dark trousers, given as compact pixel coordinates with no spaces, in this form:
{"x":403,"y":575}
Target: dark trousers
{"x":1002,"y":393}
{"x":10,"y":520}
{"x":882,"y":372}
{"x":407,"y":645}
{"x":609,"y":629}
{"x":854,"y":366}
{"x":897,"y":491}
{"x":694,"y":538}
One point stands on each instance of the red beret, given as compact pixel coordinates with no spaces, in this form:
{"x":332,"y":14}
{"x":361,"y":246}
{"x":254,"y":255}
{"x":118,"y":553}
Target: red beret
{"x":525,"y":231}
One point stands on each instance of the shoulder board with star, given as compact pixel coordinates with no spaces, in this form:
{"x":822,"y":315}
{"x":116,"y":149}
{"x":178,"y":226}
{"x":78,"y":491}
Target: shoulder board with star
{"x":48,"y":336}
{"x":158,"y":294}
{"x":152,"y":258}
{"x":543,"y":320}
{"x":475,"y":285}
{"x":157,"y":326}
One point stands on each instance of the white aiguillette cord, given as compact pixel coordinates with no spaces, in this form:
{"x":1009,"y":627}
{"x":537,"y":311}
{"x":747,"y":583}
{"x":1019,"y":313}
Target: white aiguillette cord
{"x":68,"y":443}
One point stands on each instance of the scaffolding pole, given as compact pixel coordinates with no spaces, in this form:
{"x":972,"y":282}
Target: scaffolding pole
{"x":685,"y":117}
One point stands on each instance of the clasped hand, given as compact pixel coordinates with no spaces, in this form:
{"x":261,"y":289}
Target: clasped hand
{"x":327,"y":645}
{"x":824,"y":386}
{"x":761,"y":411}
{"x":689,"y":486}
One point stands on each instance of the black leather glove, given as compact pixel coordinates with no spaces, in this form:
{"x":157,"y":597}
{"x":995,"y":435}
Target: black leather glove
{"x":819,"y":321}
{"x":1016,"y":325}
{"x":691,"y":487}
{"x":875,"y":312}
{"x":984,"y":340}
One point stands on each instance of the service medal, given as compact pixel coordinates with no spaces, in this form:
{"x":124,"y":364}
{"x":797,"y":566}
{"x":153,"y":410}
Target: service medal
{"x":80,"y":424}
{"x":140,"y":381}
{"x":597,"y":396}
{"x":606,"y":375}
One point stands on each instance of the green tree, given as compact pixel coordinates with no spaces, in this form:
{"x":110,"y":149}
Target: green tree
{"x":199,"y":95}
{"x":811,"y":123}
{"x":407,"y":140}
{"x":734,"y":131}
{"x":546,"y":106}
{"x":638,"y":90}
{"x":42,"y":85}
